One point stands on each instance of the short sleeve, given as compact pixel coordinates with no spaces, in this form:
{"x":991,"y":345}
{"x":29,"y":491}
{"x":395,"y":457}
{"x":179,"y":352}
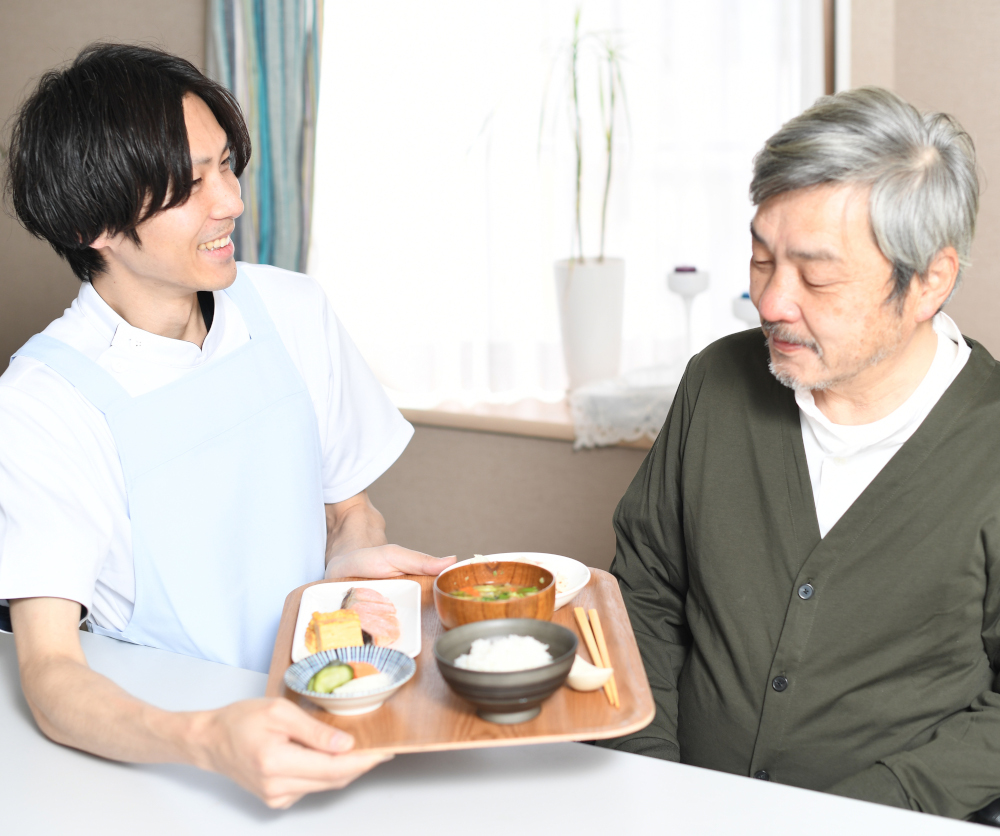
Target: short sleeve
{"x":364,"y":431}
{"x":55,"y":527}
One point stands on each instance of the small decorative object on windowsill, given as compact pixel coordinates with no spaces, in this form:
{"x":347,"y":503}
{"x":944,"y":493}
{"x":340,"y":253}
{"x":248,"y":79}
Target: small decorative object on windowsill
{"x":590,"y":291}
{"x":626,"y":408}
{"x":744,"y":309}
{"x":687,"y":282}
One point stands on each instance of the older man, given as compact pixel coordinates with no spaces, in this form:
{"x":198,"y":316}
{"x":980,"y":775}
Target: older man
{"x":810,"y":554}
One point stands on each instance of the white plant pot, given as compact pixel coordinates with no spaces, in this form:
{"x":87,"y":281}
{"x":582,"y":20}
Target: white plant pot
{"x":591,"y":295}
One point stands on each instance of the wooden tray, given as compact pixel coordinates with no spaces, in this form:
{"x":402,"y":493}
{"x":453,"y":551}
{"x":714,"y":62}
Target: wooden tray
{"x":426,"y":716}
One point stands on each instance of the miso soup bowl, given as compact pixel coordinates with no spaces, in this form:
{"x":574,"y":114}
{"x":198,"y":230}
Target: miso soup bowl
{"x":454,"y":612}
{"x":509,"y":696}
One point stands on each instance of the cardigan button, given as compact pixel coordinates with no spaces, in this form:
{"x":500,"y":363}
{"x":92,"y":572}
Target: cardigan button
{"x":779,"y":683}
{"x":762,"y":775}
{"x":806,"y":591}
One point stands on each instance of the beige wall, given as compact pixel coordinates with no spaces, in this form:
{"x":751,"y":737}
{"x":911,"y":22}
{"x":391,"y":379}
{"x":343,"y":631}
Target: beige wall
{"x":462,"y":492}
{"x":944,"y":55}
{"x":35,"y":35}
{"x":873,"y":43}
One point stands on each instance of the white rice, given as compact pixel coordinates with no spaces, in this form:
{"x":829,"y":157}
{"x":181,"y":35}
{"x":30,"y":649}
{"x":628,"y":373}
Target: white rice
{"x":505,"y":653}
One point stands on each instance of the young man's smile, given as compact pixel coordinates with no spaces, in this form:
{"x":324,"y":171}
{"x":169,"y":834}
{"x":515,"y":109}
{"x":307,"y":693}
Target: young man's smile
{"x":219,"y":248}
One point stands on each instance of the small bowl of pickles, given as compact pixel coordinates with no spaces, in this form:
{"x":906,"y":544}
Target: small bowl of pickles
{"x":350,"y":680}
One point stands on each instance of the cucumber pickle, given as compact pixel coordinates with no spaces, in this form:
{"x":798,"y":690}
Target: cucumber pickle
{"x":330,"y":678}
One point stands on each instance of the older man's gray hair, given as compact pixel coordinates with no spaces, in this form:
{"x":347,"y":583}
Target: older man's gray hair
{"x":921,"y":169}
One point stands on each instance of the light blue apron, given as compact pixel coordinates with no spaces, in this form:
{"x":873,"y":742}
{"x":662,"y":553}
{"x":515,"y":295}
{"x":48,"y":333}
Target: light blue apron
{"x":223,"y":475}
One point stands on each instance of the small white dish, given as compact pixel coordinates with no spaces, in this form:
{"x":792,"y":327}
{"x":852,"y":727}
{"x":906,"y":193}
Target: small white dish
{"x":326,"y":597}
{"x":575,"y":574}
{"x":398,"y":666}
{"x":584,"y":676}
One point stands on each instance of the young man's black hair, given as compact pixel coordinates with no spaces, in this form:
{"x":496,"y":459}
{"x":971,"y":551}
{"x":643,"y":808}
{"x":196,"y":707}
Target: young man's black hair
{"x":101,"y":146}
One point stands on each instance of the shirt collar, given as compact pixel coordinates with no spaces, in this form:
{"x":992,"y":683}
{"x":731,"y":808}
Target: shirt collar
{"x":844,"y":440}
{"x":123,"y":338}
{"x":98,"y":312}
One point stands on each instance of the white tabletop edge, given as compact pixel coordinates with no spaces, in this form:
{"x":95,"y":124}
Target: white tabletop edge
{"x":575,"y":787}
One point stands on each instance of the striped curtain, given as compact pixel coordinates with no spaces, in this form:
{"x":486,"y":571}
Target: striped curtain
{"x":267,"y":53}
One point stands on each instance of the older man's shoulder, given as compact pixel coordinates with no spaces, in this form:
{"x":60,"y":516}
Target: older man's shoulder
{"x":741,"y":356}
{"x":980,"y":378}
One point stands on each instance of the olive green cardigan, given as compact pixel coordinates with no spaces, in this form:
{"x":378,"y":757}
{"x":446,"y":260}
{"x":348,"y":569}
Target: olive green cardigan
{"x":877,"y":682}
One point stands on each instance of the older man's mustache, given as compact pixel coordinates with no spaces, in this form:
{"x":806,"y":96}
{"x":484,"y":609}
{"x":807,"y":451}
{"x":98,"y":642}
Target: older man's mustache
{"x":786,"y":335}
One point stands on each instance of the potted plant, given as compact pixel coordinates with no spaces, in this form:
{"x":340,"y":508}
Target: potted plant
{"x":590,"y":291}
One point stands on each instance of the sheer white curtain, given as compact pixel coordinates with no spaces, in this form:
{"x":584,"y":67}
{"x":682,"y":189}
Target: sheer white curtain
{"x":440,"y":205}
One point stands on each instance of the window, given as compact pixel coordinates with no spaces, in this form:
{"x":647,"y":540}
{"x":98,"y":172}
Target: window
{"x":440,"y":205}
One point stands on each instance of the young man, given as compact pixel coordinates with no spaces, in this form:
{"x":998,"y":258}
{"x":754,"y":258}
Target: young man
{"x":809,"y":554}
{"x":189,"y":442}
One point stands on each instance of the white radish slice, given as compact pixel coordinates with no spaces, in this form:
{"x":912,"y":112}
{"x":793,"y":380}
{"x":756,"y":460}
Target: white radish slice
{"x":372,"y":682}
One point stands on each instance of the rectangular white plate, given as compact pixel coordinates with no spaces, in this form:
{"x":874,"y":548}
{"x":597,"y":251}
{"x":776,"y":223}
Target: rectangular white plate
{"x":326,"y":597}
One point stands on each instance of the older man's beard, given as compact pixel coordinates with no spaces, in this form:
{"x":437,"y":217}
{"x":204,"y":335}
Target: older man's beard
{"x":783,"y":333}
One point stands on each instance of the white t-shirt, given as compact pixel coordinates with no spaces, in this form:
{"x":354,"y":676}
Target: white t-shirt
{"x":843,"y":460}
{"x":64,"y":523}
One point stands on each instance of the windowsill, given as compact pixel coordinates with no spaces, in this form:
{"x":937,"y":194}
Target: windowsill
{"x":529,"y":417}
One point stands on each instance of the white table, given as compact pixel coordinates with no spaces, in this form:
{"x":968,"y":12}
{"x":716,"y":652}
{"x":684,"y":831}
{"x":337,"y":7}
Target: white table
{"x":553,"y":789}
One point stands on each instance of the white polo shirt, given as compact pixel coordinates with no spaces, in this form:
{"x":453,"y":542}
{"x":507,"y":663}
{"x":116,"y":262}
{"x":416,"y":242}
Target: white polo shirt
{"x":843,"y":460}
{"x":64,"y":522}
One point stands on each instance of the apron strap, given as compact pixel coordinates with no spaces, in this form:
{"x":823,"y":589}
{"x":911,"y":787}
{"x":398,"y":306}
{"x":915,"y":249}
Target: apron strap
{"x":96,"y":385}
{"x":251,"y":306}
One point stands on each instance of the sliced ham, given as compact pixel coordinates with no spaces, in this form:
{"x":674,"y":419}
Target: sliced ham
{"x":377,"y":614}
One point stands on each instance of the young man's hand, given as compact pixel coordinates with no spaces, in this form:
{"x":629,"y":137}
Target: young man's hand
{"x":270,"y":747}
{"x":275,"y":750}
{"x":385,"y":562}
{"x":356,"y":545}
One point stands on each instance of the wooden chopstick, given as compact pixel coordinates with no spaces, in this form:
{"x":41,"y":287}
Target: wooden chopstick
{"x":588,"y":635}
{"x":602,"y":645}
{"x":595,"y":653}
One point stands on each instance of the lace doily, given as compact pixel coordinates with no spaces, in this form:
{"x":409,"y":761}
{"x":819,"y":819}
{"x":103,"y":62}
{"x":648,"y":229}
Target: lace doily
{"x":624,"y":409}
